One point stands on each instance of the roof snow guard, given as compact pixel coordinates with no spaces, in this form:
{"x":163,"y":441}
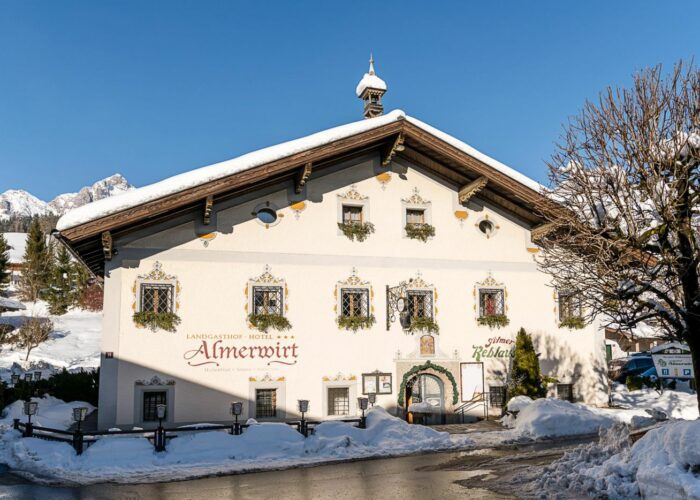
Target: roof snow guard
{"x":85,"y":228}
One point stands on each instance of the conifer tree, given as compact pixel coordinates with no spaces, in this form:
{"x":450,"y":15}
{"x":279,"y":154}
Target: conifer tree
{"x":526,"y":379}
{"x":62,"y":290}
{"x":4,"y":263}
{"x":37,"y":264}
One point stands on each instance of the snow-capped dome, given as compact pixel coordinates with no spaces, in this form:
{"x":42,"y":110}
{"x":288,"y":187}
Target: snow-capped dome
{"x":370,"y":80}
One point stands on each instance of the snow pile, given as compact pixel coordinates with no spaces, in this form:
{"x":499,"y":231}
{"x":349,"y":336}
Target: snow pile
{"x":678,"y":404}
{"x":129,"y":458}
{"x":665,"y":463}
{"x":52,"y":412}
{"x":422,"y":407}
{"x":546,"y":418}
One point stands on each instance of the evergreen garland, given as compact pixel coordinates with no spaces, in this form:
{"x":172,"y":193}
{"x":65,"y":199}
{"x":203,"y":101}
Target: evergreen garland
{"x":494,"y":320}
{"x":419,"y":231}
{"x":4,"y":262}
{"x":354,"y":323}
{"x":263,"y":322}
{"x":152,"y":320}
{"x":428,"y":366}
{"x":356,"y":230}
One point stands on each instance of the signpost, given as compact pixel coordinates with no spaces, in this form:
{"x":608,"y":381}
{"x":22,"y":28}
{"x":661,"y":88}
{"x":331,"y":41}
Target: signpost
{"x":673,"y":360}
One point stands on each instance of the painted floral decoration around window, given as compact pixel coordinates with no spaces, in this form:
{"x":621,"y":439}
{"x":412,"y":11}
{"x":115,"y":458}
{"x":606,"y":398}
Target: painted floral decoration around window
{"x":156,"y":300}
{"x":353,"y":217}
{"x":354,"y":303}
{"x":420,"y":307}
{"x":267,"y":304}
{"x":491,"y":303}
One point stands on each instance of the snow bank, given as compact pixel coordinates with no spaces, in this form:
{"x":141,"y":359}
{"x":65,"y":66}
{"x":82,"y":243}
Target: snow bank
{"x":665,"y":463}
{"x":544,"y":418}
{"x":52,"y":412}
{"x":129,"y":458}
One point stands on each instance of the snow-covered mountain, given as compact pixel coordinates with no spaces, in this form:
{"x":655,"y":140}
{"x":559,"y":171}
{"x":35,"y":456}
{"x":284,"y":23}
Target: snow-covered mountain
{"x":20,"y":203}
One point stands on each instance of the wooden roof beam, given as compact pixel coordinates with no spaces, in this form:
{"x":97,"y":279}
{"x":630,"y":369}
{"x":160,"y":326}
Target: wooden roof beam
{"x":302,"y":177}
{"x":538,"y":232}
{"x":208,"y":205}
{"x":107,"y":248}
{"x":393,"y":147}
{"x":466,"y":192}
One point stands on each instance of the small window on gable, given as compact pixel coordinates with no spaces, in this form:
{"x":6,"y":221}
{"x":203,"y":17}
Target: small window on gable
{"x":569,"y":306}
{"x":415,"y":216}
{"x":355,"y":302}
{"x":491,"y":302}
{"x":268,"y":300}
{"x":157,"y":297}
{"x":352,"y":214}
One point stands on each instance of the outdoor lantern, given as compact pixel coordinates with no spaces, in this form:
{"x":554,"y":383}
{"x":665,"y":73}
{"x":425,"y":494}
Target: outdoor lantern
{"x":236,"y":408}
{"x":303,"y":405}
{"x":30,"y":408}
{"x":161,"y":411}
{"x":362,"y":403}
{"x":80,"y":413}
{"x":37,"y":375}
{"x":28,"y":377}
{"x":372,"y":398}
{"x":15,"y":378}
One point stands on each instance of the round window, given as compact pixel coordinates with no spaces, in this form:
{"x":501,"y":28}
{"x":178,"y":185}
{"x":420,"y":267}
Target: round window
{"x":266,"y":215}
{"x":486,"y":227}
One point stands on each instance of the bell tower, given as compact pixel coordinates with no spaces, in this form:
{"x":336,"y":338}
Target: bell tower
{"x":371,"y":89}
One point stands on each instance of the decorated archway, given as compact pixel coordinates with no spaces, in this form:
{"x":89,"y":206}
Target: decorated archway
{"x":428,"y":367}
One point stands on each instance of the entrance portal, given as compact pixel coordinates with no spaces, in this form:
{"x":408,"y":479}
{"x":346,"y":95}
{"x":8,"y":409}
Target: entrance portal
{"x":428,"y":388}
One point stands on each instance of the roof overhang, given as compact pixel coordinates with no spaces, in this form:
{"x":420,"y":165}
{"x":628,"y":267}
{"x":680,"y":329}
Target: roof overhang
{"x":400,"y":138}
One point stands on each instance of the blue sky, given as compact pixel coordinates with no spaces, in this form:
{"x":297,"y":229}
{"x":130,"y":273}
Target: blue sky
{"x":152,"y":89}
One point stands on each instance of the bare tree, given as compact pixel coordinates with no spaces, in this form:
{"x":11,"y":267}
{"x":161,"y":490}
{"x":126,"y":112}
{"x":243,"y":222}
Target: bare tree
{"x":33,"y":333}
{"x":627,"y":171}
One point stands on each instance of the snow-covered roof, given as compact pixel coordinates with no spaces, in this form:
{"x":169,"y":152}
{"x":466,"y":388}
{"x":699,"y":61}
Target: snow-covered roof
{"x":18,"y":244}
{"x":370,"y":80}
{"x":193,"y":178}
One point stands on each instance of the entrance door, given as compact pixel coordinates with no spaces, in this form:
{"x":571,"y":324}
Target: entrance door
{"x":428,"y":388}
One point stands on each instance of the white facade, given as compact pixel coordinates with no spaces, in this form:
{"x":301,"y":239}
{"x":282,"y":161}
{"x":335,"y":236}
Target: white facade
{"x":213,"y":269}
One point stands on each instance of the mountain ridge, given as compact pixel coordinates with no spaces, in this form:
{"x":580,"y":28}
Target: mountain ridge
{"x":18,"y":203}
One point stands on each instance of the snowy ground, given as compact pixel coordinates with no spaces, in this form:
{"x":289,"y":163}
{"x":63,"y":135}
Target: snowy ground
{"x":263,"y":446}
{"x":74,"y":344}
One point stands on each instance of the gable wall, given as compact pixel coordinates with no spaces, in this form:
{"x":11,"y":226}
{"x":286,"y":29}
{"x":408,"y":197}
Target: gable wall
{"x":312,"y":255}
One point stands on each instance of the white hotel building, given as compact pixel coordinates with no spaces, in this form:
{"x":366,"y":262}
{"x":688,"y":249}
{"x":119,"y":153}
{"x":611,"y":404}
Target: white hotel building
{"x":321,"y":269}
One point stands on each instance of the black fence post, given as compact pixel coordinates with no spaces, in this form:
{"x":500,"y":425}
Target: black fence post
{"x":15,"y":424}
{"x":159,"y":440}
{"x":28,"y":430}
{"x":78,"y":442}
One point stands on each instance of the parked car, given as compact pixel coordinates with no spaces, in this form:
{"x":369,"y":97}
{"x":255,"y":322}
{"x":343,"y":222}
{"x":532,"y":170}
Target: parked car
{"x":631,"y":366}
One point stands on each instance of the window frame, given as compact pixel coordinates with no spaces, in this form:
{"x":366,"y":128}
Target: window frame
{"x":563,"y":296}
{"x":331,"y":407}
{"x":152,"y":392}
{"x":501,"y":304}
{"x":143,"y":288}
{"x":266,"y":290}
{"x":365,"y":306}
{"x":274,"y":402}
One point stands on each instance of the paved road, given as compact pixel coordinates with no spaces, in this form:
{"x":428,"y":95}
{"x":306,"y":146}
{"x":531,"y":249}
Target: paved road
{"x":501,"y":473}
